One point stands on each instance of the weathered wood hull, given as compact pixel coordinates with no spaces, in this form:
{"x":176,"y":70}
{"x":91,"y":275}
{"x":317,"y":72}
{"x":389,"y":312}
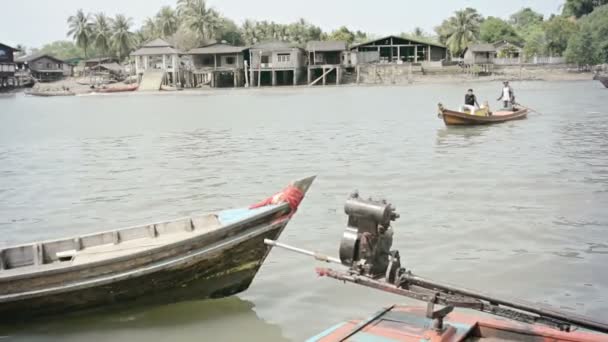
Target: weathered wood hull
{"x":410,"y":324}
{"x":214,"y":273}
{"x":50,"y":93}
{"x":208,"y":256}
{"x":454,"y":118}
{"x":117,"y":89}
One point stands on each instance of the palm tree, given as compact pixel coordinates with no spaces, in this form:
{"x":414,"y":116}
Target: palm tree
{"x":461,"y":30}
{"x":167,"y":21}
{"x":80,"y":29}
{"x":122,"y":37}
{"x":203,"y":21}
{"x":102,"y":33}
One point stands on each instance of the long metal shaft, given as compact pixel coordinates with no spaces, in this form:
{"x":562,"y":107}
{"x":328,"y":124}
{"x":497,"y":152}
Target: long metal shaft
{"x":318,"y":256}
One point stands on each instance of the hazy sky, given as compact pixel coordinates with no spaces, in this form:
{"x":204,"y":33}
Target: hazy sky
{"x":36,"y":22}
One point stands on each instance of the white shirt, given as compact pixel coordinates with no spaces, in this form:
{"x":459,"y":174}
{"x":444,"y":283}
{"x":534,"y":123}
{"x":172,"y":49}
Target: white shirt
{"x":506,"y":94}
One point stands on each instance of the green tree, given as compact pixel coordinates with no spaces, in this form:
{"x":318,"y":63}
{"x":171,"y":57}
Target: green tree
{"x":199,"y":18}
{"x":230,"y":32}
{"x":582,"y":50}
{"x":102,"y":33}
{"x":579,"y":8}
{"x":558,"y":31}
{"x":343,"y":34}
{"x":460,"y":30}
{"x":62,"y":49}
{"x":493,"y":30}
{"x":122,"y":37}
{"x":525,"y":19}
{"x":596,"y":24}
{"x":536,"y":43}
{"x":166,"y":21}
{"x":419,"y":32}
{"x":80,"y":29}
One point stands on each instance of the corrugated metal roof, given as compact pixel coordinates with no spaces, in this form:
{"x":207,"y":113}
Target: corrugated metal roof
{"x":35,"y":56}
{"x":276,"y":45}
{"x":413,"y":39}
{"x":110,"y":66}
{"x":330,"y":45}
{"x":157,"y":43}
{"x":151,"y":51}
{"x":482,"y":48}
{"x":9,"y":47}
{"x":217,"y":48}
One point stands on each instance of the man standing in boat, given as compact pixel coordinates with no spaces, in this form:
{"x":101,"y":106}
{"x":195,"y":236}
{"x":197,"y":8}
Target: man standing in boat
{"x":470,"y":102}
{"x":507,"y":96}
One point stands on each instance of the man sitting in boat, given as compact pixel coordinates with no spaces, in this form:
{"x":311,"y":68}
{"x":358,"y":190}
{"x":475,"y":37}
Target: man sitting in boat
{"x":507,"y":96}
{"x":470,"y":103}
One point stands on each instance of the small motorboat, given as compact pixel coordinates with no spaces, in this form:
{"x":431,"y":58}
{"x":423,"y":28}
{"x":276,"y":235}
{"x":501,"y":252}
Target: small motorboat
{"x":365,"y":249}
{"x":204,"y":256}
{"x":50,"y":93}
{"x":481,"y":117}
{"x":602,"y":78}
{"x":118,"y":89}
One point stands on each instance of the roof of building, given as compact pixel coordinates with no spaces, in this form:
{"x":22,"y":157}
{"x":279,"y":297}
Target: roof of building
{"x":504,"y":42}
{"x":156,"y":47}
{"x":274,"y":45}
{"x":100,"y":59}
{"x":109,"y":66}
{"x":418,"y":40}
{"x":217,"y":48}
{"x":482,"y":48}
{"x":36,"y":56}
{"x":10,"y":47}
{"x":329,"y":45}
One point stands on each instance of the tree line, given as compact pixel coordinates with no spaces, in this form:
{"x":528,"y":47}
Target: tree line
{"x":580,"y":32}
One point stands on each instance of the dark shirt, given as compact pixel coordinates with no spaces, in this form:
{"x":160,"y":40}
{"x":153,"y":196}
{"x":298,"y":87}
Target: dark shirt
{"x":470,"y":99}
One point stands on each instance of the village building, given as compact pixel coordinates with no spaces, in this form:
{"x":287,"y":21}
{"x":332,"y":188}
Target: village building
{"x":92,"y":62}
{"x":7,"y":66}
{"x":219,"y":65}
{"x":276,"y":63}
{"x":505,"y":49}
{"x":325,"y":61}
{"x":480,"y":54}
{"x":160,"y":61}
{"x":393,"y":49}
{"x":43,"y":67}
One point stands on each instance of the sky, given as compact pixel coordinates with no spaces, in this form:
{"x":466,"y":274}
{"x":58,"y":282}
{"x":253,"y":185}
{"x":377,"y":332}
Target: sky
{"x":37,"y":22}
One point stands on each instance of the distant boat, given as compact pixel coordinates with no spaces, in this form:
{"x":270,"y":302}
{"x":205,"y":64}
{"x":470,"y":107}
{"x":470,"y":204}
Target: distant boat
{"x":452,"y":117}
{"x":207,"y":256}
{"x":602,"y":78}
{"x":49,"y":93}
{"x":119,"y":89}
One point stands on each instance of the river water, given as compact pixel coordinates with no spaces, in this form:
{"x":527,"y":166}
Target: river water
{"x":516,"y":209}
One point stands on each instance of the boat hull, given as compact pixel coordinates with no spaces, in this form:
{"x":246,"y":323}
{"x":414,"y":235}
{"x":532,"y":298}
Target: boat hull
{"x":410,"y":324}
{"x":214,"y":273}
{"x":454,"y":118}
{"x":50,"y":93}
{"x":117,"y":89}
{"x":603,"y":80}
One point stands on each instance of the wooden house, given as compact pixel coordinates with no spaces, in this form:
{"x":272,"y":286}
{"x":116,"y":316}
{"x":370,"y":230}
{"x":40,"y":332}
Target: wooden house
{"x":324,"y":58}
{"x":219,"y":64}
{"x":159,"y":57}
{"x":7,"y":66}
{"x":505,"y":49}
{"x":277,"y":63}
{"x":393,"y":49}
{"x":43,"y":67}
{"x":480,"y":54}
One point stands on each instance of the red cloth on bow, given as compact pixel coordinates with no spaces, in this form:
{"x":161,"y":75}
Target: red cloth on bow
{"x":291,"y":195}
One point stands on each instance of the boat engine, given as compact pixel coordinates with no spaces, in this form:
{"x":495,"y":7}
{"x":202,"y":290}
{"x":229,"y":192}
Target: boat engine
{"x":368,"y":238}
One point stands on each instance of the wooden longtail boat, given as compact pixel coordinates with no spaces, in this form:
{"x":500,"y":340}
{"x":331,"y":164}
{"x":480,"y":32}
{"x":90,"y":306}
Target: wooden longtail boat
{"x":366,"y":250}
{"x":208,"y":256}
{"x":602,"y":78}
{"x":121,"y":89}
{"x":49,"y":93}
{"x":451,"y":117}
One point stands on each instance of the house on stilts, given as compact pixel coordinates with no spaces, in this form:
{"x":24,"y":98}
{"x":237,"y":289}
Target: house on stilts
{"x":325,"y":61}
{"x":399,"y":50}
{"x":156,"y":63}
{"x":219,"y":65}
{"x":275,"y":63}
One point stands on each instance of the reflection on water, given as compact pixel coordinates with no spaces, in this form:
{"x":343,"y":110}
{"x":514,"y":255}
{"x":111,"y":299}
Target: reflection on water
{"x":515,"y":209}
{"x":211,"y":320}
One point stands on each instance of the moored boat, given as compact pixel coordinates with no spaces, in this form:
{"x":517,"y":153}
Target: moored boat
{"x":602,"y":78}
{"x":118,"y":89}
{"x":207,"y":256}
{"x":366,"y":250}
{"x":50,"y":93}
{"x":483,"y":117}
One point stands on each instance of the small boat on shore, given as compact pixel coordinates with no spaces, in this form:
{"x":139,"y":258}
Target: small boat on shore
{"x":365,"y":249}
{"x":121,"y":89}
{"x":207,"y":256}
{"x":168,"y":88}
{"x":481,"y":117}
{"x":602,"y":78}
{"x":50,"y":93}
